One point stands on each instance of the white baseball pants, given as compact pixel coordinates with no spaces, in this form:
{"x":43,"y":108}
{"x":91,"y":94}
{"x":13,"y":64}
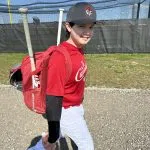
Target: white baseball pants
{"x":74,"y":126}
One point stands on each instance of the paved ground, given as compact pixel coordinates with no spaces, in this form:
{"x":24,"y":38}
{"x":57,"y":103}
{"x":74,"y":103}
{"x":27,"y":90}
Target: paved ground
{"x":118,"y":119}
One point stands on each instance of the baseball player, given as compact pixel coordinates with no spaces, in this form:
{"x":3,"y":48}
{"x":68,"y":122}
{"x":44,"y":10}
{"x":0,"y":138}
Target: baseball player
{"x":64,"y":109}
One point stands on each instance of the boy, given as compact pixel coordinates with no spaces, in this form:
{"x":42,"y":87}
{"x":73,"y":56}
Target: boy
{"x":64,"y":110}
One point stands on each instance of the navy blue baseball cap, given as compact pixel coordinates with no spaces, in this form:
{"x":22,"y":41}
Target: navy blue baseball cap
{"x":81,"y":13}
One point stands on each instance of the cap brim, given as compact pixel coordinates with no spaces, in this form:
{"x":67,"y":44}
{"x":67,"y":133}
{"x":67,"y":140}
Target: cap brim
{"x":79,"y":22}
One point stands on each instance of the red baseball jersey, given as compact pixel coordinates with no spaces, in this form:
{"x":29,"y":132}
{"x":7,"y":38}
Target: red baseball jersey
{"x":73,"y":90}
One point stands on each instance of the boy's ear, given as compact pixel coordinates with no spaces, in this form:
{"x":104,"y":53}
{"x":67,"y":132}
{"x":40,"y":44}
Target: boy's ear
{"x":68,"y":27}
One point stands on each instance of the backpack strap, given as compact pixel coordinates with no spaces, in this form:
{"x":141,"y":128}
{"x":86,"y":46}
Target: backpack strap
{"x":45,"y":57}
{"x":63,"y":51}
{"x":68,"y":62}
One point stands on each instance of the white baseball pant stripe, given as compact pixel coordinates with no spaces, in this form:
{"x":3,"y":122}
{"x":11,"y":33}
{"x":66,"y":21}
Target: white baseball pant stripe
{"x":73,"y":125}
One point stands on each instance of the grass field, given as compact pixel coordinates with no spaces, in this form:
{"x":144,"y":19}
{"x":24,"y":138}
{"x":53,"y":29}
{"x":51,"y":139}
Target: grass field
{"x":104,"y":70}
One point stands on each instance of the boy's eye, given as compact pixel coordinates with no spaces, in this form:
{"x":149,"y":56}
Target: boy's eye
{"x":81,"y":26}
{"x":91,"y":27}
{"x":84,"y":26}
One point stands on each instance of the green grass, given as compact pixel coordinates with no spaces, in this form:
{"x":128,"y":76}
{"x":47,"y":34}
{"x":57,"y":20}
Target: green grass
{"x":119,"y":70}
{"x":104,"y":70}
{"x":7,"y":60}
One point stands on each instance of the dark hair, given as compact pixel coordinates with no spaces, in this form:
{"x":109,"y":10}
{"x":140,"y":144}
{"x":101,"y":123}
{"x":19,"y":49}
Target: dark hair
{"x":67,"y":32}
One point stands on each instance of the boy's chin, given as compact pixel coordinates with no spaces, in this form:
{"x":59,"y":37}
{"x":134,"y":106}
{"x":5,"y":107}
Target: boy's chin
{"x":84,"y":40}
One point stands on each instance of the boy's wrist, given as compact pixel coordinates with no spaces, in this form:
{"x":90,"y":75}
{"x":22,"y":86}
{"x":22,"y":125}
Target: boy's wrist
{"x":47,"y":145}
{"x":52,"y":141}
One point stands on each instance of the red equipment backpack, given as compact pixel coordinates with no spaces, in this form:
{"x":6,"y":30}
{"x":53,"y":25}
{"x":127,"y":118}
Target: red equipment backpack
{"x":34,"y":98}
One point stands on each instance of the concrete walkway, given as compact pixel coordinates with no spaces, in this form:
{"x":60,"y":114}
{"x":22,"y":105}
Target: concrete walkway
{"x":117,"y":119}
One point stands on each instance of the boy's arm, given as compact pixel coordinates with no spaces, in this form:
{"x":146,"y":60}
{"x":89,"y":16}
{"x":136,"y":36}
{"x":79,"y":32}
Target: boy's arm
{"x":53,"y":113}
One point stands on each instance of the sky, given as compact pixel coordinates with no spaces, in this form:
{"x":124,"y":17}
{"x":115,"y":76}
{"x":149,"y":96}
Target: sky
{"x":125,"y":12}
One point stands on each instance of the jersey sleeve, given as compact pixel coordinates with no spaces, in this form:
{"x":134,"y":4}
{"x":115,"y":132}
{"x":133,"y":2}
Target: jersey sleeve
{"x":56,"y":75}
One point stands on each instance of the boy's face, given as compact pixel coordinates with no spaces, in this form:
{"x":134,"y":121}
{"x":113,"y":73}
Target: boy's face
{"x":80,"y":35}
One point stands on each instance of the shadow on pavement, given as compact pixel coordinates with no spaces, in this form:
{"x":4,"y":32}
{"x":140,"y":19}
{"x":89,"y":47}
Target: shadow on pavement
{"x":62,"y":145}
{"x":34,"y":141}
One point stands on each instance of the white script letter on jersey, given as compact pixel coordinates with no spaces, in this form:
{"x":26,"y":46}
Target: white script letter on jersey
{"x":81,"y":72}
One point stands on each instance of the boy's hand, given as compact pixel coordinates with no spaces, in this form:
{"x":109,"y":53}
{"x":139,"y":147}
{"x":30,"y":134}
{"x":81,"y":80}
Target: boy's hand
{"x":46,"y":144}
